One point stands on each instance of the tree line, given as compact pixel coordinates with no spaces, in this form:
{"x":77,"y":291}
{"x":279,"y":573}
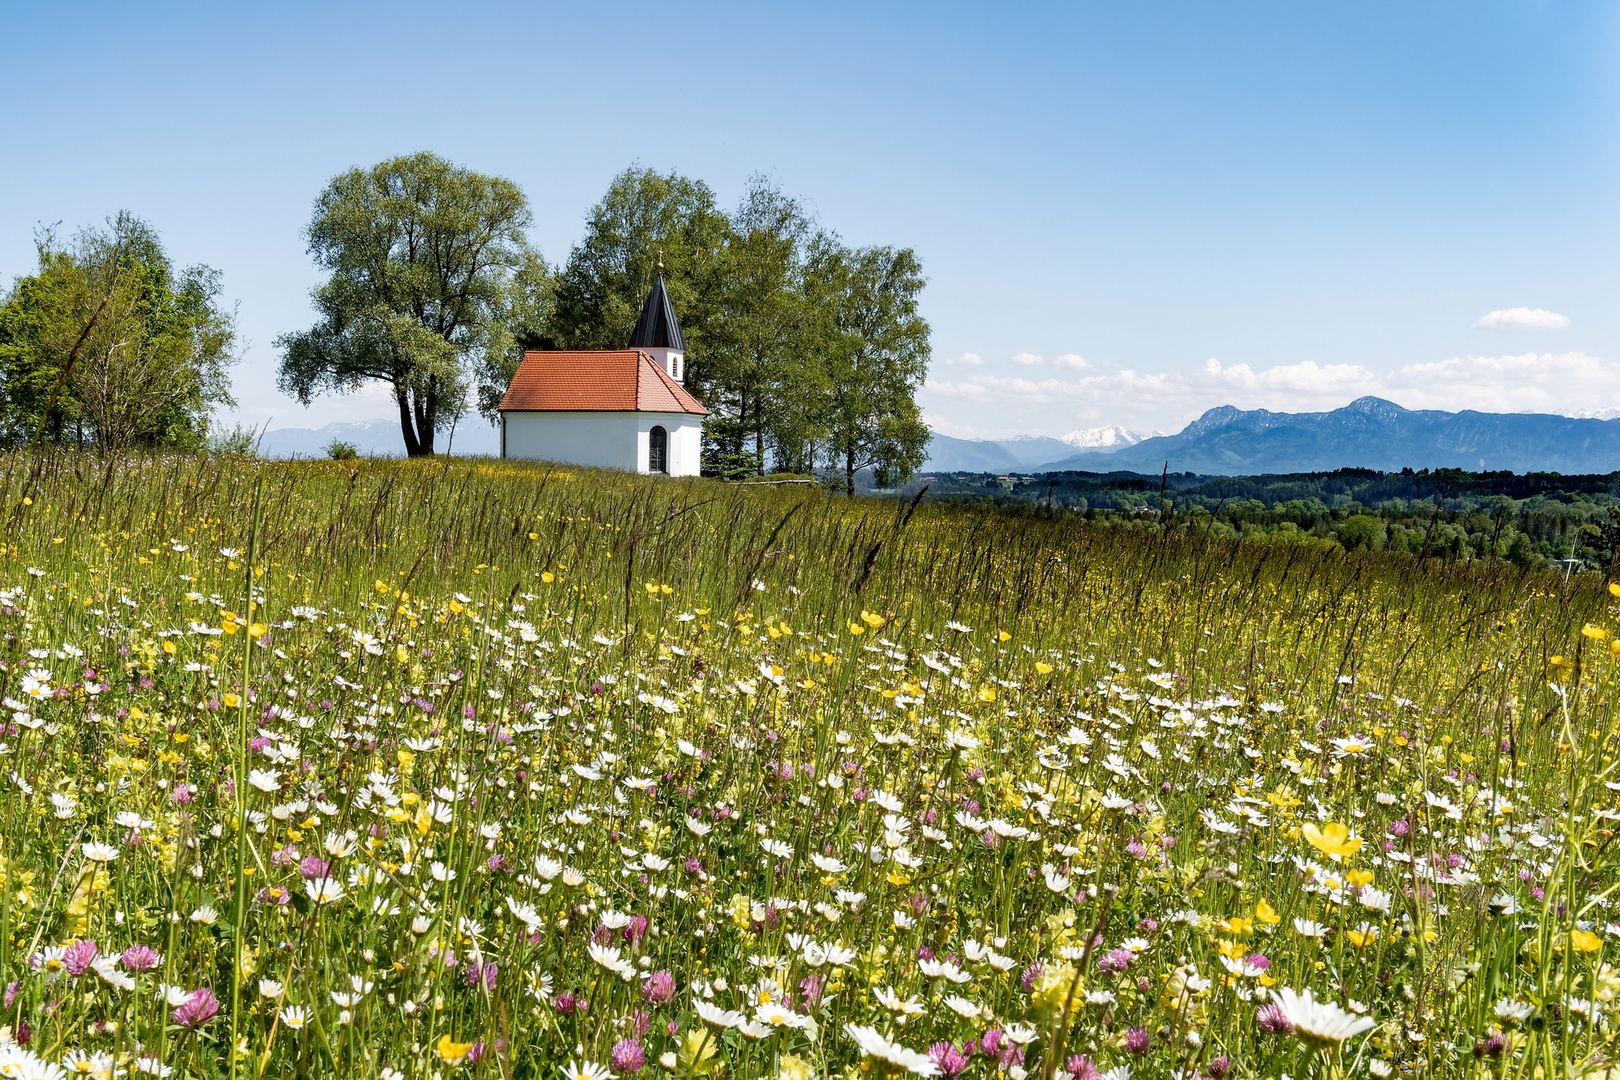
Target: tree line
{"x":808,"y":351}
{"x":1529,"y":519}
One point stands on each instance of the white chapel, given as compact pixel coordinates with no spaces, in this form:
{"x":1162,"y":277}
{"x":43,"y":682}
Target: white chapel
{"x":613,"y":408}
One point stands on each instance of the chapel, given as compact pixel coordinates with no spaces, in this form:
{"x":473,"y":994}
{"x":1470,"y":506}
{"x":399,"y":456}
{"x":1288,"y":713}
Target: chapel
{"x":612,"y":408}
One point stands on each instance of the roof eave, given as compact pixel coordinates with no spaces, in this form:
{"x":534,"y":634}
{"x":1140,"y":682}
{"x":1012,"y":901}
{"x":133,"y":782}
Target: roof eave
{"x":503,"y":408}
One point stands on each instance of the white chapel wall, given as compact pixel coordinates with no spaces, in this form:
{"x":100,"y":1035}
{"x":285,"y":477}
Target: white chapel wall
{"x":685,"y":442}
{"x":609,"y":440}
{"x":604,"y":439}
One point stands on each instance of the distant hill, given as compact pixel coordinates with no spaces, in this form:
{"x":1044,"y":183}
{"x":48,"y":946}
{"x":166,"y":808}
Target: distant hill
{"x":1022,"y":452}
{"x":1368,"y":433}
{"x":1030,"y":450}
{"x":374,"y":438}
{"x":946,"y":454}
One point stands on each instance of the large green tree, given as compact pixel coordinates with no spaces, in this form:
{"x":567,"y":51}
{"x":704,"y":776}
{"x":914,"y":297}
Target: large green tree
{"x":759,"y":358}
{"x":807,"y":353}
{"x":107,"y":345}
{"x":644,"y":217}
{"x":428,"y":264}
{"x":874,"y":350}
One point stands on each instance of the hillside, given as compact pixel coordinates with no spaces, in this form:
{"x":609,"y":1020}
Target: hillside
{"x":383,"y":766}
{"x":1532,"y":519}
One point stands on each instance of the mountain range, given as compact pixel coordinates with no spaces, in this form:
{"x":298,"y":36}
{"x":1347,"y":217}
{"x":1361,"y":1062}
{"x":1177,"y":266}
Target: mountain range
{"x":1368,"y":433}
{"x":373,"y":438}
{"x":1022,"y":452}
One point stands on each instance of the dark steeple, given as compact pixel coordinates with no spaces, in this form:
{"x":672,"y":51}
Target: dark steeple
{"x":657,"y":328}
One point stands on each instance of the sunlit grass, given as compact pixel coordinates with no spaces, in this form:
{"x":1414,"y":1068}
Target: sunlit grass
{"x":551,"y":768}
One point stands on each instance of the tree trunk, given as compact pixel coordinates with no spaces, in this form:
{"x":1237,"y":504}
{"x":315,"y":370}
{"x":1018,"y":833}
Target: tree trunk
{"x":424,"y":412}
{"x":406,"y":427}
{"x":849,"y":471}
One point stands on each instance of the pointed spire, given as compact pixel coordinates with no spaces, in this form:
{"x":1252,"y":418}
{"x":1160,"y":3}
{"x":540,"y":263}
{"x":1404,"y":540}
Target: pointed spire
{"x":657,"y":328}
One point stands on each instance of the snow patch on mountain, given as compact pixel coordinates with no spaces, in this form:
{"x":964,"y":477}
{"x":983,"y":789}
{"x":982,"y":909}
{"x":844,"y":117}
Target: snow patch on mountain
{"x":1109,"y":435}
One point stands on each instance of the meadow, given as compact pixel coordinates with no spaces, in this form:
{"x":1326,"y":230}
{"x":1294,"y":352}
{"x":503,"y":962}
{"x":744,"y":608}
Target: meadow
{"x":461,"y":768}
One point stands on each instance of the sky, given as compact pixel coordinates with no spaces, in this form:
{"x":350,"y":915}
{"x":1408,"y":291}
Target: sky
{"x":1127,"y":213}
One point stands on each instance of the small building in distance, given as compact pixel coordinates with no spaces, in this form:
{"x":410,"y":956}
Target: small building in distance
{"x":612,"y":408}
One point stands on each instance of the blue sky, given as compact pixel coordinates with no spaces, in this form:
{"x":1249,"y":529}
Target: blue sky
{"x":1128,"y":213}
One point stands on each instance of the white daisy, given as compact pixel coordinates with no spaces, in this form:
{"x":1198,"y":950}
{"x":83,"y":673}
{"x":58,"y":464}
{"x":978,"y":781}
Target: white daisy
{"x":1321,"y":1023}
{"x":874,"y":1043}
{"x":98,"y":852}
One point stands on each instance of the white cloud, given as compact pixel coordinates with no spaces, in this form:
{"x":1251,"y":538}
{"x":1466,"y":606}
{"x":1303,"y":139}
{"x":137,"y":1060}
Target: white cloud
{"x":1071,"y":360}
{"x":946,"y":426}
{"x":1563,"y":383}
{"x":967,"y":359}
{"x":1027,"y":359}
{"x":1307,"y":377}
{"x":969,"y":389}
{"x":1522,"y":318}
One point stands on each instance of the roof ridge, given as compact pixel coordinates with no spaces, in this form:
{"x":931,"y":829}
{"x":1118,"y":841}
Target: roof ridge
{"x":582,"y":352}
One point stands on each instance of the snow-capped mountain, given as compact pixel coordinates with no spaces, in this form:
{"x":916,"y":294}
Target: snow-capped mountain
{"x":1024,"y":451}
{"x":1110,"y":436}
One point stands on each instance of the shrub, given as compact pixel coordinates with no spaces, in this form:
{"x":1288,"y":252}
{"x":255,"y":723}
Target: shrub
{"x":239,"y":441}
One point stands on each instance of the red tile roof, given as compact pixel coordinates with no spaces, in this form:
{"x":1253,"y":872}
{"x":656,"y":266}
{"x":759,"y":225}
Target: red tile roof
{"x":621,"y":380}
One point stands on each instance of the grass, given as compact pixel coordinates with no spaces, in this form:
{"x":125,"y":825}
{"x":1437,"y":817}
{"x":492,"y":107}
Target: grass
{"x":504,"y":771}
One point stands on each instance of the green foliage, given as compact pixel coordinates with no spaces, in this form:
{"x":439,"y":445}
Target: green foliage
{"x":759,"y":366}
{"x":517,"y":321}
{"x":807,"y":352}
{"x":1362,"y":531}
{"x":239,"y":440}
{"x":106,"y":345}
{"x":726,"y":448}
{"x":609,"y":273}
{"x":431,"y":278}
{"x":338,"y":450}
{"x":875,"y":354}
{"x":1529,"y":520}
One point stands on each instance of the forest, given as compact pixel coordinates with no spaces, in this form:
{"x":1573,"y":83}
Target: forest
{"x":1530,"y":519}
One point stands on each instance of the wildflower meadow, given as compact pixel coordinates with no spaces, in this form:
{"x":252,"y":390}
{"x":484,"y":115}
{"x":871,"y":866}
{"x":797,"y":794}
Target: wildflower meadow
{"x":460,"y":768}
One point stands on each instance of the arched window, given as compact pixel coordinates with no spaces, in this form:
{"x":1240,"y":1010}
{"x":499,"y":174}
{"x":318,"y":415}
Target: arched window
{"x":658,"y":449}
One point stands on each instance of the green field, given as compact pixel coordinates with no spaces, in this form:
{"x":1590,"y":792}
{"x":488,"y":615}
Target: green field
{"x":509,"y":771}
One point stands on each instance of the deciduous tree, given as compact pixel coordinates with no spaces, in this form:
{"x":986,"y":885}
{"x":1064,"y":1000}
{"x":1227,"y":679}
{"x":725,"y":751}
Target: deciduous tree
{"x":107,"y":345}
{"x":760,"y":367}
{"x":644,"y":216}
{"x":425,"y":258}
{"x":874,"y":352}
